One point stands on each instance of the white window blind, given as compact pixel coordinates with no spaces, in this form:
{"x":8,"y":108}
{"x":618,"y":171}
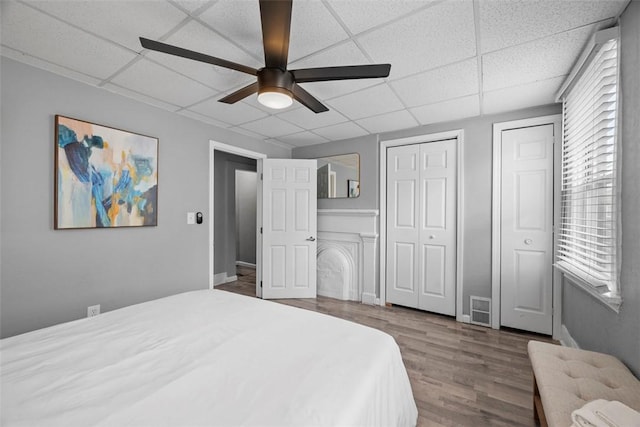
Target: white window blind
{"x":587,"y":242}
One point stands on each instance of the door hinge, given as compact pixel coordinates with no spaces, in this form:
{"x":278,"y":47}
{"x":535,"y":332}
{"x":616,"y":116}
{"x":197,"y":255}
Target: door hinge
{"x":260,"y":230}
{"x":260,"y":283}
{"x":261,"y":176}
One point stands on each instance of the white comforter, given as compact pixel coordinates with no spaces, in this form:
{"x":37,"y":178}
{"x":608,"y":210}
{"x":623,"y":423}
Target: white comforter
{"x":205,"y":358}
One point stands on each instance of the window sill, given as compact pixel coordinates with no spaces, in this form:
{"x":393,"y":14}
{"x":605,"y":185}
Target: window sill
{"x":602,"y":294}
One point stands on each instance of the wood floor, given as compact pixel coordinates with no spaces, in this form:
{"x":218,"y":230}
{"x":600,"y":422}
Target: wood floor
{"x":461,"y":374}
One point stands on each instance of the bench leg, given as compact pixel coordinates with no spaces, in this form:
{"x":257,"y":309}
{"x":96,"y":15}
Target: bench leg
{"x":538,"y":410}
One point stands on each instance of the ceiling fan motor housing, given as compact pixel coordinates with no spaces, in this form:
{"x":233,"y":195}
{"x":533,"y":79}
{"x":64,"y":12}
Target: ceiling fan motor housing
{"x":275,"y":80}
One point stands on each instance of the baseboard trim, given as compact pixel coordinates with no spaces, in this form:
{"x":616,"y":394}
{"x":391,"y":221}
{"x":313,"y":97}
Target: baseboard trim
{"x":566,"y":339}
{"x":245,"y":264}
{"x":368,"y":298}
{"x":221,"y":278}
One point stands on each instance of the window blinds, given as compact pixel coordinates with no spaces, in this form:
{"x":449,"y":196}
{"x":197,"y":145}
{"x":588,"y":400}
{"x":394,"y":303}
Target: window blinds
{"x":587,"y":241}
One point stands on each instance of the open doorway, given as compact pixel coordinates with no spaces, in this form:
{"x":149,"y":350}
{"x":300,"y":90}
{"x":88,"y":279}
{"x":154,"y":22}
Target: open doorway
{"x":227,"y":238}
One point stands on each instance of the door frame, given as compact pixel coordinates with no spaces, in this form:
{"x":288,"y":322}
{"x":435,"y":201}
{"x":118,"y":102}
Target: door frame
{"x":496,"y":214}
{"x":457,"y":134}
{"x":219,"y":146}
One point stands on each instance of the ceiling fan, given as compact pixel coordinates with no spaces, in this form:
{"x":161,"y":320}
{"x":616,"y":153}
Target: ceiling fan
{"x":276,"y":85}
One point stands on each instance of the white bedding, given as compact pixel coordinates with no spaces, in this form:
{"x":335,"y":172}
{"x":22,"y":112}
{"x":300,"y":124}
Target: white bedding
{"x":205,"y":358}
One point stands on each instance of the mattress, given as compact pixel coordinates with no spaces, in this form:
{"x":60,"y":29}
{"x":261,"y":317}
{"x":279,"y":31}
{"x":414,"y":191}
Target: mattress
{"x":205,"y":358}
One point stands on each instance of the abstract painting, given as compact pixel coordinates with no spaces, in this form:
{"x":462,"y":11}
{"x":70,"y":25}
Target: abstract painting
{"x":104,"y":177}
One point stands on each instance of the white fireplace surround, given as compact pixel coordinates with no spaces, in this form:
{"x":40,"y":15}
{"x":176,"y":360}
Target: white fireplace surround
{"x":347,"y":254}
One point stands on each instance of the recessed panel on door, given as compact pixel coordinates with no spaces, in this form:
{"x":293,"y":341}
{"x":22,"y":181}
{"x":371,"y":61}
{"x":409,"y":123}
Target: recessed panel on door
{"x":435,"y":202}
{"x":302,"y":210}
{"x":405,"y":162}
{"x":279,"y":210}
{"x":301,"y":260}
{"x":405,"y":204}
{"x":530,"y":280}
{"x":404,"y":258}
{"x":433,"y":267}
{"x":278,"y":266}
{"x":531,"y":200}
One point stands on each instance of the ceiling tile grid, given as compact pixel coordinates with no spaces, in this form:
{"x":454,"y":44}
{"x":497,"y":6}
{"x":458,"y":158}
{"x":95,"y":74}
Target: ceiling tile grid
{"x":450,"y":59}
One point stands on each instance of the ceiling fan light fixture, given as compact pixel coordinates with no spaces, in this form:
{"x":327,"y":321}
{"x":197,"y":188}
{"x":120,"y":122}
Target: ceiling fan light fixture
{"x":275,"y":98}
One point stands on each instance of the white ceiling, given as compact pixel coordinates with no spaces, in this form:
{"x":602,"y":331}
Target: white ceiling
{"x":450,"y":59}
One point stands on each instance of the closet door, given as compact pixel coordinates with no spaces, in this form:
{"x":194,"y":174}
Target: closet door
{"x":403,"y":232}
{"x":421,"y":226}
{"x":438,"y":227}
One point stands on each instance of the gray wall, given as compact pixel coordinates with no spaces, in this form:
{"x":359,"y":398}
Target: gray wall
{"x":246,"y":209}
{"x":47,"y":276}
{"x":592,"y":325}
{"x":224,"y":233}
{"x":478,"y":137}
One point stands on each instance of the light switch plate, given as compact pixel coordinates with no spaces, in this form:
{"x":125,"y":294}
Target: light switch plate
{"x":191,"y":217}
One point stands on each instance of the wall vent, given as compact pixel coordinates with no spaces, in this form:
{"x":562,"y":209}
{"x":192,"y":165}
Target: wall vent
{"x":480,"y":311}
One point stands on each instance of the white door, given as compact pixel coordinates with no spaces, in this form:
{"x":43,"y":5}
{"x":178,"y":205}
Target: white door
{"x":526,"y":284}
{"x":289,"y":210}
{"x":421,"y":226}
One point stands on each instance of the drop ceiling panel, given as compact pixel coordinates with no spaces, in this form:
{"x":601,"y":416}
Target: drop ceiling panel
{"x":193,"y":5}
{"x":195,"y":36}
{"x":388,"y":122}
{"x":538,"y":60}
{"x":307,"y":119}
{"x":347,"y":53}
{"x":234,"y":114}
{"x":451,"y":81}
{"x":272,"y":126}
{"x":341,"y":131}
{"x":302,"y":139}
{"x":445,"y":111}
{"x":153,"y":80}
{"x":312,"y":28}
{"x":121,"y":22}
{"x":359,"y":16}
{"x":517,"y":97}
{"x":238,"y":21}
{"x":436,"y":36}
{"x":508,"y":23}
{"x":367,"y":102}
{"x":46,"y":65}
{"x":27,"y":30}
{"x":140,"y":97}
{"x":200,"y":117}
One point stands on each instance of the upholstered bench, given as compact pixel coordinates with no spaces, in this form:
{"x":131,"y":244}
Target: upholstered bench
{"x":565,"y":379}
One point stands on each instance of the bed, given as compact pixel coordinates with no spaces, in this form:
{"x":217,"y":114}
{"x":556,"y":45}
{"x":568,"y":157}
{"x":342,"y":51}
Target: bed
{"x":205,"y":358}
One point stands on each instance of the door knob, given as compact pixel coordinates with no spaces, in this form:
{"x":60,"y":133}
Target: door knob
{"x":528,"y":241}
{"x":311,"y":239}
{"x":431,"y":236}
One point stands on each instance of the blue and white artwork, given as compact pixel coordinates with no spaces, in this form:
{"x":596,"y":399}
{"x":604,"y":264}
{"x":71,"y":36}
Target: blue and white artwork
{"x":105,"y":177}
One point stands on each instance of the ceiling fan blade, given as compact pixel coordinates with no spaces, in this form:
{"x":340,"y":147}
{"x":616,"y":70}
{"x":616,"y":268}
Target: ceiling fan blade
{"x":196,"y":56}
{"x":348,"y":72}
{"x":276,"y":25}
{"x":240,"y":94}
{"x":306,"y":99}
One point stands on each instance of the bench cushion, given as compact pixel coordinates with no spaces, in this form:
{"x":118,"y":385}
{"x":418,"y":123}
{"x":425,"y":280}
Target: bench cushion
{"x":568,"y":378}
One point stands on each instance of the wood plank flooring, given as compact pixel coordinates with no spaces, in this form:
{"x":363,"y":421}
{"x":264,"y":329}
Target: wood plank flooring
{"x":461,"y":374}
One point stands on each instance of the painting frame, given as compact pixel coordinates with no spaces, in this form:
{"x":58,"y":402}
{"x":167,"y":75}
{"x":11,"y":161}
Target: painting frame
{"x":104,"y":177}
{"x":353,"y":188}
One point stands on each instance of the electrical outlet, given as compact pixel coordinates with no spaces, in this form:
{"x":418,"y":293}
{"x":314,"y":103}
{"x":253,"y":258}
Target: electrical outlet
{"x":93,"y":310}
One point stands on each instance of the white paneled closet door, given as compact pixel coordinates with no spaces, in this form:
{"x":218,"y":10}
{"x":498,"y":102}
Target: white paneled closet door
{"x":421,"y":226}
{"x":526,"y":242}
